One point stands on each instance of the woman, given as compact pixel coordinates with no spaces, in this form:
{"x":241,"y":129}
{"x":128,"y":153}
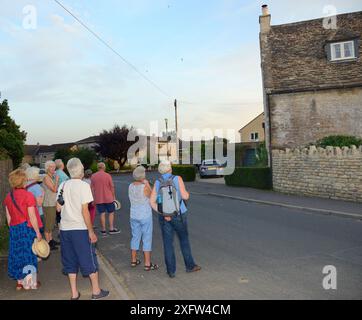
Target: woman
{"x":76,"y":232}
{"x":91,"y":207}
{"x":24,"y":222}
{"x":177,"y":223}
{"x":32,"y":186}
{"x":141,"y":218}
{"x":50,"y":186}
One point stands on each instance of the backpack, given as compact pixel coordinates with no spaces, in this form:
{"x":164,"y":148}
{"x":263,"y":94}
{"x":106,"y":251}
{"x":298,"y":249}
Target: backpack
{"x":168,"y":199}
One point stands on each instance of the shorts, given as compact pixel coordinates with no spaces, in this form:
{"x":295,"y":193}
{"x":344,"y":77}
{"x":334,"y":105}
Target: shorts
{"x":106,"y":208}
{"x":142,"y":230}
{"x":78,"y":253}
{"x":49,"y":217}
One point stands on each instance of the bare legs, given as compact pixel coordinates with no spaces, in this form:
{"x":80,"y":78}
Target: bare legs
{"x":147,"y":257}
{"x":110,"y":220}
{"x":93,"y":279}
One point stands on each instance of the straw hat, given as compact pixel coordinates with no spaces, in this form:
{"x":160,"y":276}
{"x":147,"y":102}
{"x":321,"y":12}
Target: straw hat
{"x":41,"y":248}
{"x":117,"y":204}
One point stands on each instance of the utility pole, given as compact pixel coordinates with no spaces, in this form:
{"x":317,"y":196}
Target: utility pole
{"x":176,"y":125}
{"x":166,"y":122}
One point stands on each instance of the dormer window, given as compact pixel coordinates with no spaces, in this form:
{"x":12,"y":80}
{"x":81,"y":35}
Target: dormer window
{"x":342,"y":50}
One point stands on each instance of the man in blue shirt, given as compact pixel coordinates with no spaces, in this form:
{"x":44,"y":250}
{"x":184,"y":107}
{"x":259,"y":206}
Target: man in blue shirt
{"x":60,"y":171}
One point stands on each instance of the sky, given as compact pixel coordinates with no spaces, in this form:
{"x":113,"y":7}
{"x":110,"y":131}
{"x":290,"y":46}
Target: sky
{"x":63,"y":85}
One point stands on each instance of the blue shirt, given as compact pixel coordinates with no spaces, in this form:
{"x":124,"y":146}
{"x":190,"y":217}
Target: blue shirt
{"x":166,"y":176}
{"x":37,"y":191}
{"x":62,"y":176}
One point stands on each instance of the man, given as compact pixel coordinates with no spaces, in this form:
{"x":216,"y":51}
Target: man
{"x":76,"y":231}
{"x":104,"y":196}
{"x":174,"y":224}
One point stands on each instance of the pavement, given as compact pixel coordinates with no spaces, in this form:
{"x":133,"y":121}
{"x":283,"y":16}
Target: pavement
{"x":248,"y":250}
{"x":216,"y":187}
{"x":55,"y":286}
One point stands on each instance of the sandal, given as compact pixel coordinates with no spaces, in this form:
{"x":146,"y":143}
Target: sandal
{"x":19,"y":287}
{"x":151,"y":267}
{"x":136,"y":263}
{"x":74,"y":299}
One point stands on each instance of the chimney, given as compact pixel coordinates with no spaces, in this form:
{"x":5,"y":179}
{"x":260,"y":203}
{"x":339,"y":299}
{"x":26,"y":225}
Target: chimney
{"x":265,"y":19}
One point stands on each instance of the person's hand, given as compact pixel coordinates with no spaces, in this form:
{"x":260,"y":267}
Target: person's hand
{"x":57,"y":178}
{"x":39,"y":236}
{"x":168,"y":219}
{"x":92,"y":237}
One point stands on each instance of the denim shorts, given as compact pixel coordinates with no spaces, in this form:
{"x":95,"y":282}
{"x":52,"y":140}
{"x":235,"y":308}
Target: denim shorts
{"x":106,"y":208}
{"x":142,"y":230}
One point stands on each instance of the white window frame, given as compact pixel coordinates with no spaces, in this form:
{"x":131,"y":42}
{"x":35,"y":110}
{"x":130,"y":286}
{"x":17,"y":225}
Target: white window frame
{"x":253,"y":136}
{"x":343,"y":57}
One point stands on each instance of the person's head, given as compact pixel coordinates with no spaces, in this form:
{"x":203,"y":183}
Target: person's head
{"x":88,"y":173}
{"x":50,"y":167}
{"x":32,"y":173}
{"x":139,"y":173}
{"x":101,"y":166}
{"x":165,"y":167}
{"x":75,"y":168}
{"x":17,"y":179}
{"x":59,"y":164}
{"x":24,"y":166}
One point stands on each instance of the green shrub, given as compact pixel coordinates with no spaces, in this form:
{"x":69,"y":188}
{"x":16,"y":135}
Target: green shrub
{"x":259,"y":178}
{"x":187,"y":172}
{"x":94,"y":167}
{"x":339,"y":141}
{"x":4,"y":239}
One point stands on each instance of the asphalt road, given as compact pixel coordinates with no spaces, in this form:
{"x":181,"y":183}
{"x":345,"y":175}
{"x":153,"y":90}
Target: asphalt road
{"x":247,"y":251}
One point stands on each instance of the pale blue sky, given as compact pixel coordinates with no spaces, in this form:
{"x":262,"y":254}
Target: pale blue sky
{"x":63,"y":85}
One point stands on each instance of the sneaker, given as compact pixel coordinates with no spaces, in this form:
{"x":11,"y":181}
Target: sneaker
{"x":114,"y":231}
{"x":104,"y":234}
{"x":171,"y":275}
{"x":101,"y":295}
{"x":194,"y":269}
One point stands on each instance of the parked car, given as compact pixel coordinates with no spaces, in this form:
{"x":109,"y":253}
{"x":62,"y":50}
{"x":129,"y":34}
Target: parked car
{"x":209,"y":168}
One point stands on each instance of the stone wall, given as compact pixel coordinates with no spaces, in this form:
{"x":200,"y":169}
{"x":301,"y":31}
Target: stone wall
{"x":299,"y":119}
{"x":334,"y":173}
{"x":5,"y":169}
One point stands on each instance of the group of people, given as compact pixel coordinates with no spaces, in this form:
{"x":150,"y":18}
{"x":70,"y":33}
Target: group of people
{"x":34,"y":209}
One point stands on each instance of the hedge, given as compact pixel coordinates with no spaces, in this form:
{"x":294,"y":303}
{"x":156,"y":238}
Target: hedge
{"x":187,"y":172}
{"x":259,"y":178}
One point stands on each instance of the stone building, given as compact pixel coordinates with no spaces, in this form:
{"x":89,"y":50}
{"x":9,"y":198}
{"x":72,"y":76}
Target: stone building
{"x":312,"y":79}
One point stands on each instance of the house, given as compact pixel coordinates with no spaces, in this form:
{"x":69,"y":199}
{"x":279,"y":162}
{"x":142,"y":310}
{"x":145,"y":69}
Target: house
{"x":88,"y":143}
{"x":30,"y":153}
{"x":312,"y":79}
{"x":254,"y":131}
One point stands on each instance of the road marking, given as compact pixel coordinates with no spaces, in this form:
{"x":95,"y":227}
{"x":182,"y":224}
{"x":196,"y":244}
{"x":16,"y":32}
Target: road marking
{"x":279,"y":204}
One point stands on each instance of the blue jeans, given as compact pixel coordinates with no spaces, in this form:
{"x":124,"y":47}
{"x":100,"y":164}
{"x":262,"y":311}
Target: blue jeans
{"x":178,"y":225}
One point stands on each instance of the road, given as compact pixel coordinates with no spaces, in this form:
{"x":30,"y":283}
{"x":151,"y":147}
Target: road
{"x":247,"y":251}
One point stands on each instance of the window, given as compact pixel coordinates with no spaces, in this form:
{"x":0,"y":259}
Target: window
{"x":254,"y":136}
{"x":342,"y":50}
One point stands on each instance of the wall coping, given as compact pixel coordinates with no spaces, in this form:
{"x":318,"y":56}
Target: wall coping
{"x":318,"y":151}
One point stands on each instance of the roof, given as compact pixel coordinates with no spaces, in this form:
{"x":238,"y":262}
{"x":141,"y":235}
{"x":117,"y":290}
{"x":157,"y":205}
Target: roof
{"x":31,"y":150}
{"x":55,"y":147}
{"x":294,"y":55}
{"x":262,"y":114}
{"x":92,"y":139}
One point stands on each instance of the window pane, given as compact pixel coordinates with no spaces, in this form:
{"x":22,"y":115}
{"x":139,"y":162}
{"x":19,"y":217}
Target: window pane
{"x":348,"y":49}
{"x":256,"y":136}
{"x":337,"y":51}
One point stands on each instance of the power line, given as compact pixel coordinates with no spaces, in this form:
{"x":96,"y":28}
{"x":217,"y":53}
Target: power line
{"x":113,"y":50}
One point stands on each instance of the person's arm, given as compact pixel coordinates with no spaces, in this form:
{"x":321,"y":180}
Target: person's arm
{"x":34,"y":222}
{"x":40,"y":199}
{"x":184,"y":194}
{"x":111,"y":184}
{"x":88,"y":222}
{"x":49,"y":183}
{"x":8,"y":218}
{"x":153,"y":198}
{"x":147,"y":190}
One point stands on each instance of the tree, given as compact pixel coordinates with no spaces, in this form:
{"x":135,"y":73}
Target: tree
{"x":113,"y":144}
{"x":87,"y":157}
{"x":12,"y":139}
{"x":64,"y":154}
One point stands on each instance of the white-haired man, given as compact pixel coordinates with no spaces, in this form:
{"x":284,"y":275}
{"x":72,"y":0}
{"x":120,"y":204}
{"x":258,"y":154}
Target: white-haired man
{"x":76,"y":231}
{"x":104,"y":196}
